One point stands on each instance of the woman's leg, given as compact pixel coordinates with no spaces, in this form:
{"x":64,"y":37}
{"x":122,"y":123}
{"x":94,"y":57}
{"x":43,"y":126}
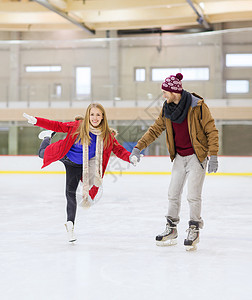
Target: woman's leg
{"x":46,"y":136}
{"x":73,"y":176}
{"x":46,"y":142}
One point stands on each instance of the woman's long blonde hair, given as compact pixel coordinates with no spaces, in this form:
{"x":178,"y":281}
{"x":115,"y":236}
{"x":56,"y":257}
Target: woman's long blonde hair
{"x":82,"y":131}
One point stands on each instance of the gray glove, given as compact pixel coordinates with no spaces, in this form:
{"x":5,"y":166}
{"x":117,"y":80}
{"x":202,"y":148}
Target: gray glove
{"x":213,"y":164}
{"x":134,"y":156}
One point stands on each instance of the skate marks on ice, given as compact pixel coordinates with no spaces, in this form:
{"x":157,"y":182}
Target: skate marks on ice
{"x":115,"y":255}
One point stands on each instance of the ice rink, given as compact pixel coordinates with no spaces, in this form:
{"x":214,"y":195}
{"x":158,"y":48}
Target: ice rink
{"x":115,"y":256}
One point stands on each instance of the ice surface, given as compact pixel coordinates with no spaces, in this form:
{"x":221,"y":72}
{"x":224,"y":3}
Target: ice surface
{"x":115,"y":256}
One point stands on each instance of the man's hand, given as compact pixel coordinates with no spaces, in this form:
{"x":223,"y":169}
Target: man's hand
{"x":213,"y":164}
{"x":135,"y":156}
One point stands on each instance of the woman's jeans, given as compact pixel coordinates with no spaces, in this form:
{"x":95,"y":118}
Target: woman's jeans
{"x":73,"y":177}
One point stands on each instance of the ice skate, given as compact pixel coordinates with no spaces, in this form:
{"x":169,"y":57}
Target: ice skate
{"x":70,"y":231}
{"x":46,"y":133}
{"x":169,"y":236}
{"x":193,"y":236}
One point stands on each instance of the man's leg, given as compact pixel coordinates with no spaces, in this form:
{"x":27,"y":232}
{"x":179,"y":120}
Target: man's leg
{"x":196,"y":177}
{"x":178,"y":178}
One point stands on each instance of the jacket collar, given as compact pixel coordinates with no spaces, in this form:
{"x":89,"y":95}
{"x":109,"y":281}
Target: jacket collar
{"x":196,"y":100}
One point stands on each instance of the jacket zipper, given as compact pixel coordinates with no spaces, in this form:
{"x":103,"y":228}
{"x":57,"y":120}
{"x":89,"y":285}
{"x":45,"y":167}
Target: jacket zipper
{"x":192,"y":140}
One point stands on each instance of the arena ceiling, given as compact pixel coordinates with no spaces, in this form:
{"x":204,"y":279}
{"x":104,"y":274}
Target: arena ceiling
{"x":122,"y":15}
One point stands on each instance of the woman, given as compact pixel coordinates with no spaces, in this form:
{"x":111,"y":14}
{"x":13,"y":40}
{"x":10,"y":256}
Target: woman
{"x":89,"y":143}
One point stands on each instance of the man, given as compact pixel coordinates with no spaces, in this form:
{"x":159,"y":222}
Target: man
{"x":191,"y":135}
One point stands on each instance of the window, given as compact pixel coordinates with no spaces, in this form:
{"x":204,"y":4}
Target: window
{"x":83,"y":81}
{"x":42,"y":68}
{"x":237,"y":86}
{"x":140,"y":74}
{"x":57,"y":90}
{"x":159,"y":74}
{"x":239,"y":60}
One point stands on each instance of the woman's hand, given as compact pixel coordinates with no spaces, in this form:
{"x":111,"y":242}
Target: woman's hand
{"x":32,"y":120}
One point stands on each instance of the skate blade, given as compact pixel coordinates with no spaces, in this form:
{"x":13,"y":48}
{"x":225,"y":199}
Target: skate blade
{"x":191,"y":248}
{"x":72,"y":241}
{"x":166,"y":243}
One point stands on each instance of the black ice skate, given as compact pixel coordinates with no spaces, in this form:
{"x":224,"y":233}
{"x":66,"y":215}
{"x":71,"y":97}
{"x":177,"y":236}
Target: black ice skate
{"x":193,"y":236}
{"x":169,"y":236}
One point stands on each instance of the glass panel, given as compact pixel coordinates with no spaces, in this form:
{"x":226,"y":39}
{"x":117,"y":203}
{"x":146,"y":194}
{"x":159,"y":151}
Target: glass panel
{"x":57,"y":90}
{"x":237,"y":86}
{"x":159,"y":74}
{"x":239,"y":60}
{"x":43,"y":68}
{"x":83,"y":81}
{"x":195,"y":73}
{"x":140,"y":74}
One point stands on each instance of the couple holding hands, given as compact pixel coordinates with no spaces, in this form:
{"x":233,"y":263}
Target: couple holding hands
{"x":191,"y":136}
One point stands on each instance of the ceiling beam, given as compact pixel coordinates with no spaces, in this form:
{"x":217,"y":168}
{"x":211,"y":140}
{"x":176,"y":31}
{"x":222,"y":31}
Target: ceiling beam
{"x":46,"y":17}
{"x":38,"y":27}
{"x":120,"y":4}
{"x":228,"y":6}
{"x":230,"y":17}
{"x":65,"y":16}
{"x":176,"y":22}
{"x":20,"y":7}
{"x":135,"y":15}
{"x":201,"y":19}
{"x":132,"y":4}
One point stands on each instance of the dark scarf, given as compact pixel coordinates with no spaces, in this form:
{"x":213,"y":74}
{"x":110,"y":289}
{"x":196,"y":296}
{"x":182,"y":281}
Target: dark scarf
{"x":178,"y":112}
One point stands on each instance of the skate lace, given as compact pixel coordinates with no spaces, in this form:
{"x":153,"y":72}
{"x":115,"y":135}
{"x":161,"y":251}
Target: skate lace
{"x":167,"y":230}
{"x":192,"y":233}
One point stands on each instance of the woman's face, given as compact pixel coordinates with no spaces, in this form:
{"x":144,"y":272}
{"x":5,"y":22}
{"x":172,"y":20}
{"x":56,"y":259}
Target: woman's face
{"x":95,"y":117}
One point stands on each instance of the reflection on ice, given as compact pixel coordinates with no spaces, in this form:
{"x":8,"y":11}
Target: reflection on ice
{"x":115,"y":256}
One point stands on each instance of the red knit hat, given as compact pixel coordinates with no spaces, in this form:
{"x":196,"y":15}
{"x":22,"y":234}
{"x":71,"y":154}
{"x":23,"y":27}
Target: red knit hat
{"x":173,"y":83}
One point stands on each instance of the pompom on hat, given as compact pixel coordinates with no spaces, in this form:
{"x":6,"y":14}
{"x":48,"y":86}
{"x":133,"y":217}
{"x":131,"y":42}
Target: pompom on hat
{"x":173,"y":84}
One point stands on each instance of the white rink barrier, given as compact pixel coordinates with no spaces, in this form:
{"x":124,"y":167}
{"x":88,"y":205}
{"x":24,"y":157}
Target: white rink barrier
{"x":149,"y":165}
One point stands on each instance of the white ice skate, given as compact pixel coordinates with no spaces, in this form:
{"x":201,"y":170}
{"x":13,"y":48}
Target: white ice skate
{"x":46,"y":133}
{"x":192,"y":239}
{"x":169,"y":236}
{"x":70,"y":231}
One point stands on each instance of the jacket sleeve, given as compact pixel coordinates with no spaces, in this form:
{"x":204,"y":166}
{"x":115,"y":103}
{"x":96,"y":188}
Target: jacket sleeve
{"x":53,"y":125}
{"x":152,"y":133}
{"x":210,"y":130}
{"x":120,"y":151}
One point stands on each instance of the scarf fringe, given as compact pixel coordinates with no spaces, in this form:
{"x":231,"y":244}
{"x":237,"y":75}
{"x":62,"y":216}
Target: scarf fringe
{"x":98,"y":167}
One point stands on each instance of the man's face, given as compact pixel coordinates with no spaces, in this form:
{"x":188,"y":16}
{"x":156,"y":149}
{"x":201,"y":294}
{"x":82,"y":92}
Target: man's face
{"x":168,"y":96}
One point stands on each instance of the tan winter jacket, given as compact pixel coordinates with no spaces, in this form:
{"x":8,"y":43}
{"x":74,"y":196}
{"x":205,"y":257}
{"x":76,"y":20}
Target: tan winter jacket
{"x":202,"y":131}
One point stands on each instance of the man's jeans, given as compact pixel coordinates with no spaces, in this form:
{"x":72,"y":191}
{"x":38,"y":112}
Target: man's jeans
{"x":186,"y":167}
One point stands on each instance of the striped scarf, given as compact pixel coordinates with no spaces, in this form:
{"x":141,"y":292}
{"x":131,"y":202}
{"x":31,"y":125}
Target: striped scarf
{"x":98,"y":167}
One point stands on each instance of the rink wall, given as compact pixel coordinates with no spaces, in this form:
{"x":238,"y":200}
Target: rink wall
{"x":150,"y":165}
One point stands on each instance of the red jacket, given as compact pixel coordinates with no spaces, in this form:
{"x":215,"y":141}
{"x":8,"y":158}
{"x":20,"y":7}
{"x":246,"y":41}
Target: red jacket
{"x":59,"y":149}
